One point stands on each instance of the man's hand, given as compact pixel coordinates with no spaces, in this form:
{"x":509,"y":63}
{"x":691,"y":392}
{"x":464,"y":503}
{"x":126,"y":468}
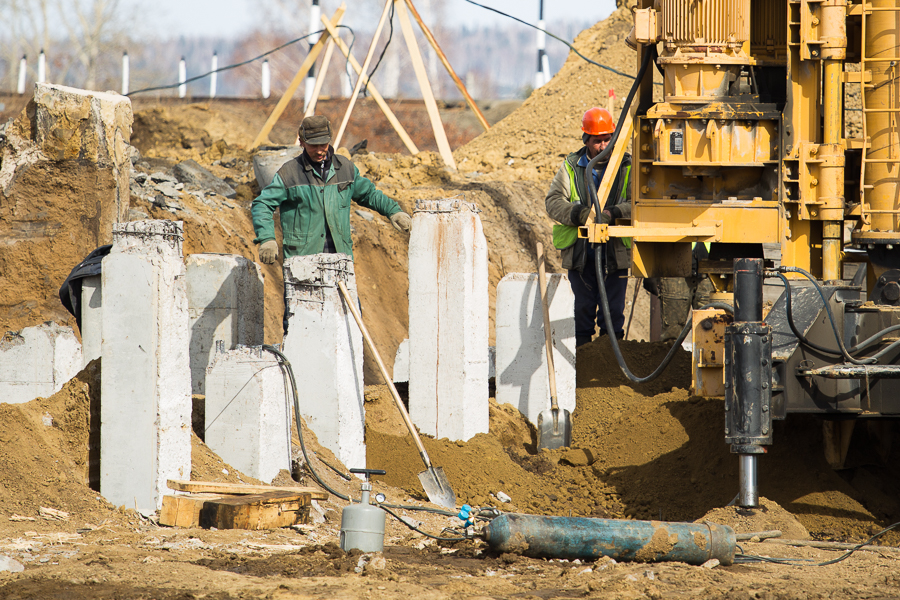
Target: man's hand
{"x":401,"y":221}
{"x":268,"y":252}
{"x":580,"y":214}
{"x":606,"y":217}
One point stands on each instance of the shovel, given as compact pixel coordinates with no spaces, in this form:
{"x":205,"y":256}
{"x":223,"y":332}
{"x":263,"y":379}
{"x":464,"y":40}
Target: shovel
{"x":433,"y":479}
{"x":554,"y":426}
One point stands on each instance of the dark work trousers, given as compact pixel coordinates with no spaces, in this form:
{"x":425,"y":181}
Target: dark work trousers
{"x":587,"y":301}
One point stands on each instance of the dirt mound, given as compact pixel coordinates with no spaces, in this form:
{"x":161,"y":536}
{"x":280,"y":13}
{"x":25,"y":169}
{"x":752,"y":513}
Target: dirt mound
{"x":655,"y":456}
{"x":597,"y":366}
{"x":768,"y":516}
{"x":531,"y":142}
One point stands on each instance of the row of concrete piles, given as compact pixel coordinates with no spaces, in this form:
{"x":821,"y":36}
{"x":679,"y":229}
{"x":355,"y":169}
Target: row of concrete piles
{"x":168,"y":328}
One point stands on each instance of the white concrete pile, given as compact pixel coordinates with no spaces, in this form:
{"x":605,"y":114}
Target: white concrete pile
{"x":36,"y":361}
{"x":522,"y":374}
{"x":325,"y":348}
{"x":448,"y":320}
{"x":145,"y":437}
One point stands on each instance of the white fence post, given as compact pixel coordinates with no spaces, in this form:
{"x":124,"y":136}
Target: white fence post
{"x":20,"y":88}
{"x":42,"y":67}
{"x":182,"y":77}
{"x":213,"y":78}
{"x":265,"y":79}
{"x":125,"y":73}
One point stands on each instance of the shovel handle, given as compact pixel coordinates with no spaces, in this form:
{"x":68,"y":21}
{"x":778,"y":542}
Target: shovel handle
{"x":362,"y":327}
{"x":545,"y":309}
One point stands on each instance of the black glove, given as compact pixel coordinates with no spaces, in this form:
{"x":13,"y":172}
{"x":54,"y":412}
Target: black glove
{"x":605,"y":217}
{"x":579,"y":214}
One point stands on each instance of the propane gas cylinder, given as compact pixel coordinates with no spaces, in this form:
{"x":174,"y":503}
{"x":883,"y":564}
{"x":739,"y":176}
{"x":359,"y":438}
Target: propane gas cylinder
{"x":362,"y":525}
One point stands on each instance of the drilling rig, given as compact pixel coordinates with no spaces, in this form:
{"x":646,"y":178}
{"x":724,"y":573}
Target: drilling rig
{"x":744,"y":148}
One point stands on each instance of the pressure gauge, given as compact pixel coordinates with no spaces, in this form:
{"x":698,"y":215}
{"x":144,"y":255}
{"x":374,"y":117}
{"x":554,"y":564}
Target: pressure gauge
{"x":379,"y":498}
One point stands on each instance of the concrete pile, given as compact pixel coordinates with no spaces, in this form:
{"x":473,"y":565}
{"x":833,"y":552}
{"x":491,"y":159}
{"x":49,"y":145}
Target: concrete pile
{"x":36,"y":362}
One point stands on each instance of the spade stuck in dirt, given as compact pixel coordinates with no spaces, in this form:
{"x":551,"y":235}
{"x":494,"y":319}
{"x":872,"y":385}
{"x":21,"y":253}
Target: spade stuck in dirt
{"x":554,"y":424}
{"x":433,"y":479}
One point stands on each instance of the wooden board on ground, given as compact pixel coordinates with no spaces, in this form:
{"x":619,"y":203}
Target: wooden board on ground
{"x":183,"y":510}
{"x":212,"y":487}
{"x":258,"y":511}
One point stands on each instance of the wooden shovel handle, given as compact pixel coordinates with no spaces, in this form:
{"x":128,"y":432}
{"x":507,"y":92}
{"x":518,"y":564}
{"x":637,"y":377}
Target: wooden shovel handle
{"x":545,"y":308}
{"x":387,"y":379}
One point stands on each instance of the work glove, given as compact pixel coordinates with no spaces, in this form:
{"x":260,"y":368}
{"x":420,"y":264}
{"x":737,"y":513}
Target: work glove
{"x":268,"y":252}
{"x":579,"y":214}
{"x":401,"y":221}
{"x":605,"y":217}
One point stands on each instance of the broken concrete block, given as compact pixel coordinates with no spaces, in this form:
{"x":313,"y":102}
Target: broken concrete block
{"x":267,"y":162}
{"x":64,"y":181}
{"x":145,"y":438}
{"x":225,"y":303}
{"x":190,"y":173}
{"x":325,"y":348}
{"x":448,"y":320}
{"x":36,"y":361}
{"x":522,"y":374}
{"x":247,"y":417}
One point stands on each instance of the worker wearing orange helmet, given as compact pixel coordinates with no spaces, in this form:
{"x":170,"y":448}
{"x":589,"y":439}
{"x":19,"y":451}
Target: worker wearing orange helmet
{"x":567,"y":206}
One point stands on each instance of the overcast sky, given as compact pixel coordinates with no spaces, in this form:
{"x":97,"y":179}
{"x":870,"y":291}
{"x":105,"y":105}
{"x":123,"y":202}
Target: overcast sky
{"x":233,"y":17}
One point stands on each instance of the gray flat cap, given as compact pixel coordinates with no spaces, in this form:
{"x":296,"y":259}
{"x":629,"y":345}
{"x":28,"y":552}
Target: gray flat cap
{"x":315,"y":130}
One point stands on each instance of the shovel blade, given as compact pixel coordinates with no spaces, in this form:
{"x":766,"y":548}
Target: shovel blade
{"x":438,"y":489}
{"x":554,"y":429}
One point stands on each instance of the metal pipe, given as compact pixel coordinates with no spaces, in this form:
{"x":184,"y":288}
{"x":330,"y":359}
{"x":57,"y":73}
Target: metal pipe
{"x":832,"y":104}
{"x":748,"y":289}
{"x":832,"y":233}
{"x":748,"y":496}
{"x":580,"y":537}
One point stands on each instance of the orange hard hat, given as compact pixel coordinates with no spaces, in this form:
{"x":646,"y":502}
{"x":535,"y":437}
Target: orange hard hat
{"x":597,"y":121}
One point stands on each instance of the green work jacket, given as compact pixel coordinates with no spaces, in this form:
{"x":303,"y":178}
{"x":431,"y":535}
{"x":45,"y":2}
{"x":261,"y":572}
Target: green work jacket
{"x":308,"y":204}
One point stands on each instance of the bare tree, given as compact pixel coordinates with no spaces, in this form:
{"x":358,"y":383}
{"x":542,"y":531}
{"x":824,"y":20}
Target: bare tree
{"x":95,"y":31}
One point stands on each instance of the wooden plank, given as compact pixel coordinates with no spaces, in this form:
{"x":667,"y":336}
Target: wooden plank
{"x":183,"y":485}
{"x":260,"y":511}
{"x":320,"y":78}
{"x":365,"y":68}
{"x":183,"y":510}
{"x":437,"y":126}
{"x":295,"y":83}
{"x":376,"y":96}
{"x":440,"y":53}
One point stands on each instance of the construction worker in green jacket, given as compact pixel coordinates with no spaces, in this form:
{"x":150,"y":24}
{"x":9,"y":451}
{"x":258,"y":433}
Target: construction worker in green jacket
{"x":313,"y":193}
{"x":569,"y":209}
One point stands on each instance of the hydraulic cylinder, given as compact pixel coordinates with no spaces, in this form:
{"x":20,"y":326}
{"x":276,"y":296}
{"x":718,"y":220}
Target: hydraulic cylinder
{"x":748,"y":377}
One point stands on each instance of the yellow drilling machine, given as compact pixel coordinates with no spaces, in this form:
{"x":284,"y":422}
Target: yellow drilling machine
{"x":746,"y":148}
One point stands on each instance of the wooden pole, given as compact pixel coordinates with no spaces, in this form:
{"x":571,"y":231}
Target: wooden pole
{"x":329,"y":50}
{"x":295,"y":83}
{"x":440,"y":136}
{"x":365,"y":68}
{"x":388,"y":113}
{"x":446,"y":63}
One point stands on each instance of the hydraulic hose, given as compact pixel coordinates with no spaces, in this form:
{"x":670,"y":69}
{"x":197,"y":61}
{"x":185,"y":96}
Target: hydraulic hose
{"x":599,"y":256}
{"x":842,"y":350}
{"x":837,"y":336}
{"x":282,"y":359}
{"x":590,"y":192}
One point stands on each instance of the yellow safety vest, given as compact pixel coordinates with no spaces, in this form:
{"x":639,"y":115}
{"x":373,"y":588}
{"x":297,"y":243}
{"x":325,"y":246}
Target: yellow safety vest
{"x":566,"y":235}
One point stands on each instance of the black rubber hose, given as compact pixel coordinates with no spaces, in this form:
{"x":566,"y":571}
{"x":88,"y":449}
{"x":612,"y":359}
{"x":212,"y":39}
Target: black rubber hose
{"x":599,"y":256}
{"x":282,"y":359}
{"x":858,"y":348}
{"x":837,"y":336}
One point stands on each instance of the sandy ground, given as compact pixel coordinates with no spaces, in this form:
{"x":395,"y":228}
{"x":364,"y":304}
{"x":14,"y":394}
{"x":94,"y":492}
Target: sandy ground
{"x":639,"y":452}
